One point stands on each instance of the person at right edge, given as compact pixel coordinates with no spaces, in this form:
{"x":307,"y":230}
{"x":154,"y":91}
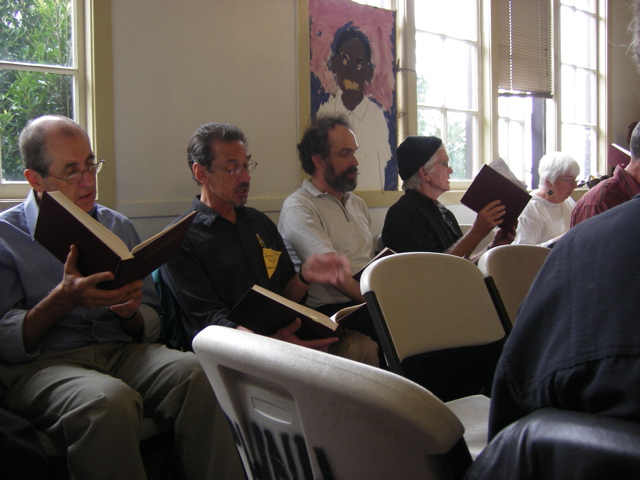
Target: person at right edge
{"x":576,"y":344}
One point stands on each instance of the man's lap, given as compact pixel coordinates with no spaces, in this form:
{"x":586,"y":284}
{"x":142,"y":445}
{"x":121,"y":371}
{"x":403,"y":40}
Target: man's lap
{"x":57,"y":383}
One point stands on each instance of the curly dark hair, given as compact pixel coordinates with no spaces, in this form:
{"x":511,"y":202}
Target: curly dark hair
{"x":315,"y":140}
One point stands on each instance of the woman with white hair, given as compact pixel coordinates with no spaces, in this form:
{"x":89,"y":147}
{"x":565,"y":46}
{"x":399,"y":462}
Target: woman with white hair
{"x":547,"y":216}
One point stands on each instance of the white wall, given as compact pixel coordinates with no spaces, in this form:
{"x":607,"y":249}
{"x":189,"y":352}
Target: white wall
{"x":624,"y":98}
{"x":178,"y":64}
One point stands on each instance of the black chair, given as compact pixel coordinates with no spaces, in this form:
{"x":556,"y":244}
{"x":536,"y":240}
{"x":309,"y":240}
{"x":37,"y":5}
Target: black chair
{"x":552,"y":444}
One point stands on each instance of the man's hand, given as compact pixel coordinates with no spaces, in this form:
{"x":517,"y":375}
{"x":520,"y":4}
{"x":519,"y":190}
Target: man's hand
{"x":331,"y":268}
{"x":79,"y":291}
{"x":288,"y":334}
{"x":503,"y":237}
{"x":489,"y":217}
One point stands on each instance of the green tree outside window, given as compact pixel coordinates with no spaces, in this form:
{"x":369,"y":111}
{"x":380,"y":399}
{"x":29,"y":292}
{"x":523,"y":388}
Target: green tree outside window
{"x":37,"y":36}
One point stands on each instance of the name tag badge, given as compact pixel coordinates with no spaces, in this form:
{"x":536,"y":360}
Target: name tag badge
{"x":270,"y":256}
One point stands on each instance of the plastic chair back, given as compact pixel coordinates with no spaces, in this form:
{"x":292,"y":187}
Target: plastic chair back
{"x":300,"y":413}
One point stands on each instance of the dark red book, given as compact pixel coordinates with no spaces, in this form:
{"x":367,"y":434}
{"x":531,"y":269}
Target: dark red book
{"x":490,"y":185}
{"x":61,"y":223}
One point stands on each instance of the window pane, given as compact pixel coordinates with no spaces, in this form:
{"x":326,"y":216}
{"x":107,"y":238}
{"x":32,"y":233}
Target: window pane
{"x":430,"y":61}
{"x":37,"y":32}
{"x":568,"y":99}
{"x":25,"y":95}
{"x":585,"y":93}
{"x":578,"y":95}
{"x":460,"y":76}
{"x":459,"y":141}
{"x":578,"y":39}
{"x":455,"y":18}
{"x":430,"y":122}
{"x":586,"y":5}
{"x":580,"y":142}
{"x":515,"y":136}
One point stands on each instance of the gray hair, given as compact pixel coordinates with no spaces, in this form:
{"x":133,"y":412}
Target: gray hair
{"x":200,"y":148}
{"x":553,"y":165}
{"x":634,"y":143}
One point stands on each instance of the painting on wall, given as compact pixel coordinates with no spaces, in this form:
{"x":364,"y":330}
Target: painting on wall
{"x":352,"y":69}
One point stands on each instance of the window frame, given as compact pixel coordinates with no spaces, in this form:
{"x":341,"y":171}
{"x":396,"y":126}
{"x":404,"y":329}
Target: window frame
{"x":488,"y":120}
{"x":93,"y":93}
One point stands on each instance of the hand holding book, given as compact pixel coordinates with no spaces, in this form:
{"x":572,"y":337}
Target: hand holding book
{"x":268,"y":313}
{"x":289,"y":334}
{"x":490,"y":185}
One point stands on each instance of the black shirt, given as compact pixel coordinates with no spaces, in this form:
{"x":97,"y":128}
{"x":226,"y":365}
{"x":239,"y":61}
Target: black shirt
{"x":219,"y":261}
{"x":416,"y":223}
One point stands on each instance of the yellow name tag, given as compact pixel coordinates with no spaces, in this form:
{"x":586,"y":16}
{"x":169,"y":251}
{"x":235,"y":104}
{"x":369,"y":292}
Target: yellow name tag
{"x":270,"y":260}
{"x":271,"y":257}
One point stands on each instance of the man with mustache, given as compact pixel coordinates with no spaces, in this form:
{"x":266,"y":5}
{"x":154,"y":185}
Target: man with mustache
{"x":323,"y":215}
{"x":231,"y":247}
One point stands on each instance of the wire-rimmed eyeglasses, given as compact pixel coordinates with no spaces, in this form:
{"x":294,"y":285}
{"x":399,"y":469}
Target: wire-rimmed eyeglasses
{"x":237,"y":171}
{"x":75,"y":177}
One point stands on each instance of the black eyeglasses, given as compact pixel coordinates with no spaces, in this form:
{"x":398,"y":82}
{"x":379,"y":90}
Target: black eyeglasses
{"x":75,"y":177}
{"x":236,"y":172}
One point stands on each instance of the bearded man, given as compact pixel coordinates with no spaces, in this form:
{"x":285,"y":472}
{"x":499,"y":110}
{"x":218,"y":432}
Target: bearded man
{"x":323,"y":215}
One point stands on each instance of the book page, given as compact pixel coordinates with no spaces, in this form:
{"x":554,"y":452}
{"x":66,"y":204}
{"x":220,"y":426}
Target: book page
{"x":500,"y":166}
{"x":163,"y":232}
{"x":309,"y":312}
{"x":343,"y":312}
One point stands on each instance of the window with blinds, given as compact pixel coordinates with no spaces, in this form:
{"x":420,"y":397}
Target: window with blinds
{"x":525,"y":46}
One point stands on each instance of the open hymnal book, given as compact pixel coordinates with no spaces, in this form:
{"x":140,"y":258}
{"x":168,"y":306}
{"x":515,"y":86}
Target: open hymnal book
{"x":61,"y":223}
{"x":497,"y":182}
{"x":265,"y":312}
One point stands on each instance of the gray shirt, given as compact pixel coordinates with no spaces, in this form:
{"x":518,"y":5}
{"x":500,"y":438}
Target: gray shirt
{"x":312,"y":222}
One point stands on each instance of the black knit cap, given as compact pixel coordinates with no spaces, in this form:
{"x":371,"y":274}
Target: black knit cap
{"x":414,"y":152}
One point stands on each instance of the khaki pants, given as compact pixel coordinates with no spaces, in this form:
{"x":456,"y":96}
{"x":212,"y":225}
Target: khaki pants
{"x":92,"y":399}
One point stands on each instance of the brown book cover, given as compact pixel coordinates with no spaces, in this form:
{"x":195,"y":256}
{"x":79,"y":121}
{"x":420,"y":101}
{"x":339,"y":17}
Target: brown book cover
{"x":61,"y":224}
{"x":265,"y":312}
{"x":616,"y":155}
{"x":490,"y":185}
{"x":383,"y":253}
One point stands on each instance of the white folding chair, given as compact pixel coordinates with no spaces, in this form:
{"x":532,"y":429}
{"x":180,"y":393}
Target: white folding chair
{"x":509,"y":271}
{"x":300,"y":413}
{"x":428,"y":302}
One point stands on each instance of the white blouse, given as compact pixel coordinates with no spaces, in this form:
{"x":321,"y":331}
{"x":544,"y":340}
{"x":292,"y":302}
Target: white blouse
{"x":542,"y":220}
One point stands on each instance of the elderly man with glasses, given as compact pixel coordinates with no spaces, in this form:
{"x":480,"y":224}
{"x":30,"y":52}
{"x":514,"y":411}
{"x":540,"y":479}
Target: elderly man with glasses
{"x":418,"y":222}
{"x":77,"y":360}
{"x":230,"y":247}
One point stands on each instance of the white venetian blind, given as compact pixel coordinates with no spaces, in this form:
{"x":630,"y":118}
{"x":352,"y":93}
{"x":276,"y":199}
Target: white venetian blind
{"x":525,"y":46}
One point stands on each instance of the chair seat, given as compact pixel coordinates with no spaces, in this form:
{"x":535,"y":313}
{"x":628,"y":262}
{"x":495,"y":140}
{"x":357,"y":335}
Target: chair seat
{"x":473,"y":413}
